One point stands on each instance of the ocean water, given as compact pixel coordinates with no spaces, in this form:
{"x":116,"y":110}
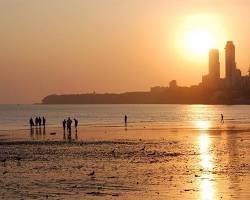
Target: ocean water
{"x":13,"y":117}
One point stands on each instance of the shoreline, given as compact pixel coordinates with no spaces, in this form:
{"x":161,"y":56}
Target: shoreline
{"x":113,"y":133}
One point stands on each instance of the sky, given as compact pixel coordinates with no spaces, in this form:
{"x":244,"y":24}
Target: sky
{"x":79,"y":46}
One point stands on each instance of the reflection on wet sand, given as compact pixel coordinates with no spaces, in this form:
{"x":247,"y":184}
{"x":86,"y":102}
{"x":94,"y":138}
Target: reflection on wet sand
{"x":207,"y":188}
{"x":68,"y":136}
{"x":202,"y":125}
{"x":38,"y":132}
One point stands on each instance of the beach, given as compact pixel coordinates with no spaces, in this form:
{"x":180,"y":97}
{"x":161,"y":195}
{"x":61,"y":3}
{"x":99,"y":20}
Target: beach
{"x":133,"y":162}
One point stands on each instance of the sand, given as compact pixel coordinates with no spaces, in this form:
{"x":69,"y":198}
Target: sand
{"x":128,"y":163}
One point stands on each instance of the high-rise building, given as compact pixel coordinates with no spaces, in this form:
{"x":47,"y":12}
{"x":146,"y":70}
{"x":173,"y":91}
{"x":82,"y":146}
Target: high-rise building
{"x":214,"y":65}
{"x":230,"y":64}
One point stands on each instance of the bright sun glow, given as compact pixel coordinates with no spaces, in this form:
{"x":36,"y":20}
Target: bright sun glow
{"x":202,"y":125}
{"x":199,"y":41}
{"x":199,"y":33}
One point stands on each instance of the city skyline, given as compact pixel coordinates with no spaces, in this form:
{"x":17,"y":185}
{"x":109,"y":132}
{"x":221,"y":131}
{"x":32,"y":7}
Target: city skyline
{"x":213,"y":89}
{"x":233,"y":79}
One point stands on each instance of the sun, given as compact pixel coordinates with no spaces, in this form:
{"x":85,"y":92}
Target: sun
{"x":199,"y":41}
{"x":197,"y":34}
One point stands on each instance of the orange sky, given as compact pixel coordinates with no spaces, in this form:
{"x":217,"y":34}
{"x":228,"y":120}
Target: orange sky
{"x":79,"y":46}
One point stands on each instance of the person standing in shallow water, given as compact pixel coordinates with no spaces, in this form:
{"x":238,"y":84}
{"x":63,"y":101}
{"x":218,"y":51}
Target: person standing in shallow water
{"x":222,"y":118}
{"x":76,"y":123}
{"x":44,"y":121}
{"x":64,"y":125}
{"x":31,"y":122}
{"x":36,"y":121}
{"x":39,"y":121}
{"x":125,"y":120}
{"x":69,"y":122}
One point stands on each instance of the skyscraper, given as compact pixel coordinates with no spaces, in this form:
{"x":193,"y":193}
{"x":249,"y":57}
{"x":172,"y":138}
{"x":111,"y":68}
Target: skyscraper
{"x":230,"y":64}
{"x":214,"y":65}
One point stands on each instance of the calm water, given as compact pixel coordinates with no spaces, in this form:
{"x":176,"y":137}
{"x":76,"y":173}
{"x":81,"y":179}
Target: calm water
{"x":17,"y":116}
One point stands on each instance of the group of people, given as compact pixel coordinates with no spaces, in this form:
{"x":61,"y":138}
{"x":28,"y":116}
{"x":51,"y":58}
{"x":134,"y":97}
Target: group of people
{"x":37,"y":122}
{"x":41,"y":121}
{"x":67,"y":123}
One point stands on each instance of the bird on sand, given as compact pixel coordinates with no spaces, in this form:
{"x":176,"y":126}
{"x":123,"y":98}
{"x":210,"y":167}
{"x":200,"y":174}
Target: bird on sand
{"x":92,"y":173}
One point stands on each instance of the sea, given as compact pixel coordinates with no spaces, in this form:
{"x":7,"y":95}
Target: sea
{"x":15,"y":117}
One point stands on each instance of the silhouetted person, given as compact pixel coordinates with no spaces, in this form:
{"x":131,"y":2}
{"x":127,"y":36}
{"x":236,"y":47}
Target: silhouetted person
{"x":44,"y":121}
{"x":31,"y":123}
{"x":39,"y":121}
{"x":222,"y":118}
{"x":69,"y":122}
{"x":64,"y":124}
{"x":36,"y":121}
{"x":126,"y":120}
{"x":76,"y":123}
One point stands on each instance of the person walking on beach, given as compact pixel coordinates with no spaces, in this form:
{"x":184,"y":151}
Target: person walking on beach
{"x":222,"y":118}
{"x":69,"y":122}
{"x":44,"y":121}
{"x":76,"y":123}
{"x":125,"y":119}
{"x":64,"y":125}
{"x":31,"y":123}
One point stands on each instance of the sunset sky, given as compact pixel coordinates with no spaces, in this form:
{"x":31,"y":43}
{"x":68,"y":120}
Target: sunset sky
{"x":78,"y":46}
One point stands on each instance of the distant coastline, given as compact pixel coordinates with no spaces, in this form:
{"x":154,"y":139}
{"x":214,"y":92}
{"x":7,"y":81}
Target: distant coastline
{"x":157,"y":95}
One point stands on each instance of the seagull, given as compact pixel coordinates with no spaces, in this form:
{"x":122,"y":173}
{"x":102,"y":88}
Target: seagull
{"x":92,"y":173}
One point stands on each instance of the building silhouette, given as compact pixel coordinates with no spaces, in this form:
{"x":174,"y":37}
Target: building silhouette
{"x":233,"y":79}
{"x":212,"y":80}
{"x":230,"y":64}
{"x":214,"y":65}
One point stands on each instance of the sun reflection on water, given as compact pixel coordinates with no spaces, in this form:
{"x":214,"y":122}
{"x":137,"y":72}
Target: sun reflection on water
{"x":202,"y":125}
{"x":207,"y":189}
{"x":206,"y":162}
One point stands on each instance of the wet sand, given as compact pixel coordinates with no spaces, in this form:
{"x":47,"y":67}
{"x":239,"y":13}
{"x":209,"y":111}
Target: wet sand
{"x":128,"y":163}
